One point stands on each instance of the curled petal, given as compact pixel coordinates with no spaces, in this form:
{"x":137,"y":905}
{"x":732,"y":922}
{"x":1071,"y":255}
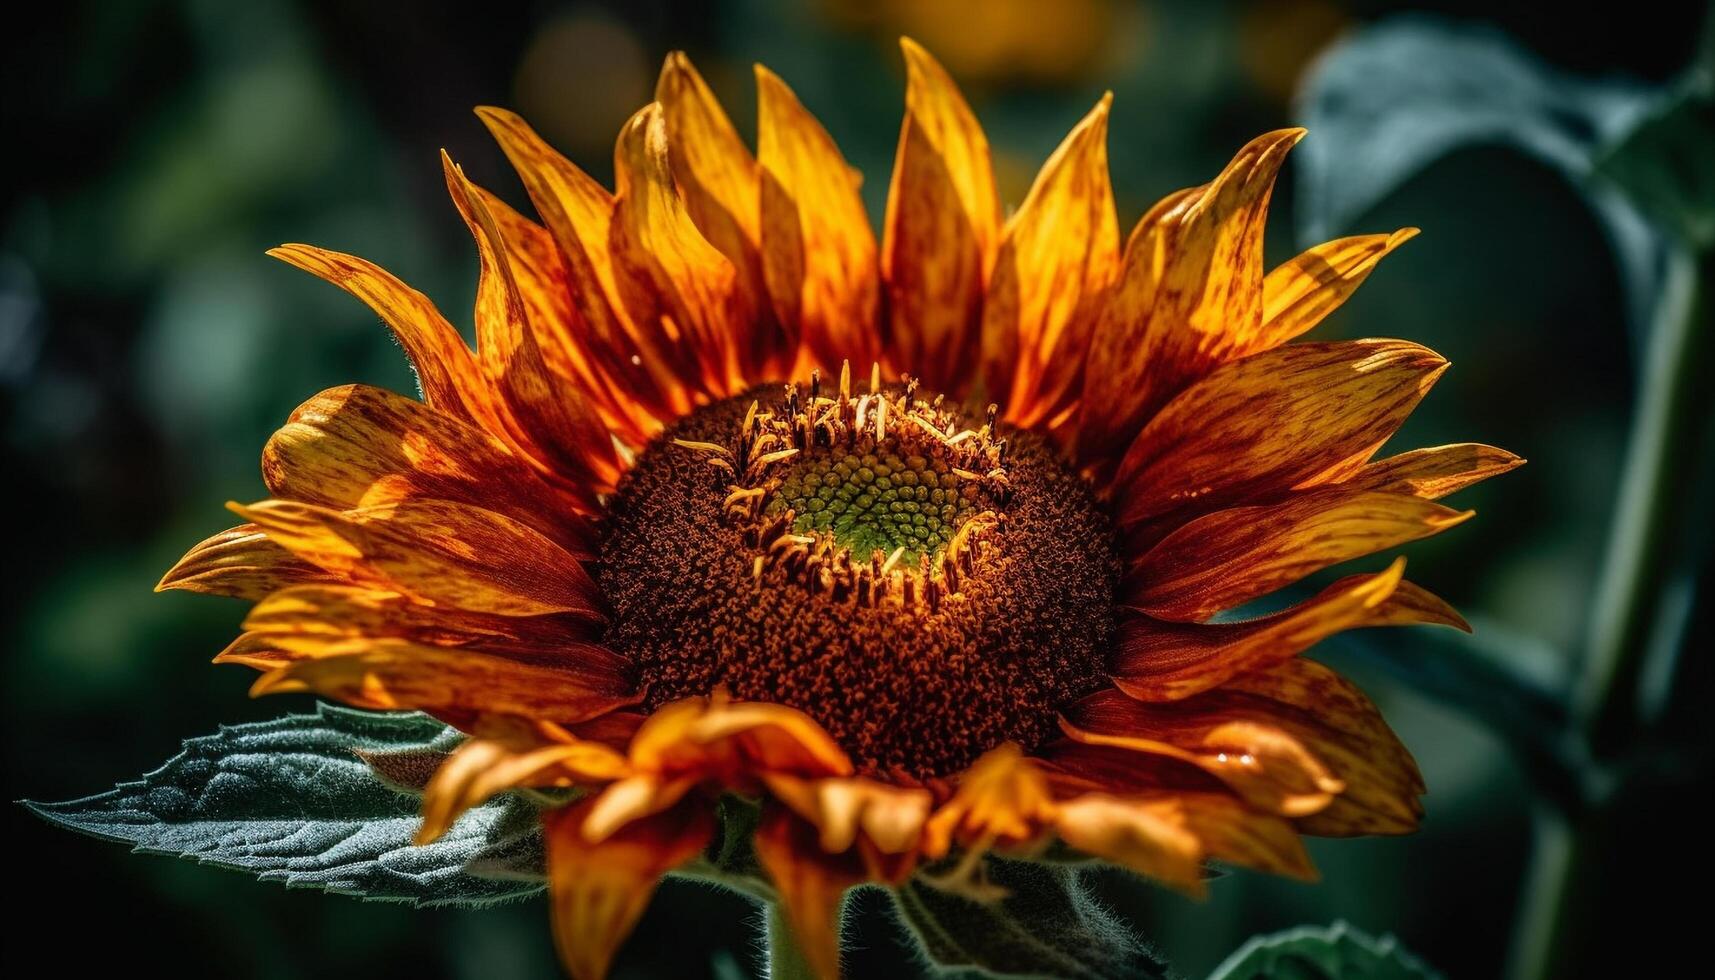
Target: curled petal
{"x":1147,"y":836}
{"x":1270,"y":421}
{"x":1002,"y":801}
{"x":854,"y":811}
{"x":1227,"y":558}
{"x":1236,"y":740}
{"x":600,"y":889}
{"x":483,"y":767}
{"x":1156,"y":660}
{"x":941,"y":228}
{"x":435,"y":551}
{"x":1434,"y":472}
{"x":1057,"y":257}
{"x":818,"y":250}
{"x":391,"y":675}
{"x":729,"y":741}
{"x":242,"y":562}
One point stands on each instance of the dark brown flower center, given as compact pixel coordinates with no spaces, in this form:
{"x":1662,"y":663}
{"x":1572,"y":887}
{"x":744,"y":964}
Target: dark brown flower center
{"x":924,"y":586}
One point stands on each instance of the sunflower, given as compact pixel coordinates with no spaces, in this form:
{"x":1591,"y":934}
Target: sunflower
{"x":889,"y":556}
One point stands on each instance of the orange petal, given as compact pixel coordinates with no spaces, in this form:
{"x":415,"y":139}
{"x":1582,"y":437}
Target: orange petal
{"x":395,"y":675}
{"x":1002,"y":800}
{"x":1237,"y":834}
{"x":1227,"y":558}
{"x":1297,"y":295}
{"x":546,"y":419}
{"x":1271,"y":420}
{"x":847,"y":810}
{"x":668,"y":272}
{"x":1435,"y":472}
{"x":1234,"y":739}
{"x":1156,"y":660}
{"x":942,"y":225}
{"x":718,"y":178}
{"x":1346,"y":731}
{"x":435,"y":551}
{"x":1057,"y":258}
{"x":639,"y":363}
{"x":730,"y":741}
{"x":445,"y":368}
{"x":599,"y":890}
{"x":242,"y":562}
{"x":1147,"y":836}
{"x":818,"y":250}
{"x":483,"y":767}
{"x":811,"y":884}
{"x":358,"y":446}
{"x":1190,"y":296}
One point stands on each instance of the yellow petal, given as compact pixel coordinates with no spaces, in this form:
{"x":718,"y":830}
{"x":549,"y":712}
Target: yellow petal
{"x":546,"y":419}
{"x":1200,"y":261}
{"x":1002,"y":800}
{"x":1147,"y":836}
{"x":435,"y":551}
{"x":1237,"y":834}
{"x":818,"y":250}
{"x":1156,"y":660}
{"x":718,"y":178}
{"x":845,"y":809}
{"x":1236,"y":740}
{"x":242,"y":562}
{"x":669,"y":274}
{"x":1297,"y":295}
{"x":393,"y":675}
{"x":483,"y":767}
{"x":448,"y":372}
{"x":942,"y":225}
{"x":724,"y":739}
{"x":1271,"y":420}
{"x":1230,"y":557}
{"x":357,"y":446}
{"x":636,"y":357}
{"x":811,"y":884}
{"x":1057,"y":258}
{"x":1435,"y":472}
{"x":599,"y":890}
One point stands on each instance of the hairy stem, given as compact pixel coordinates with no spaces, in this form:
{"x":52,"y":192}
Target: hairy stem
{"x":785,"y":960}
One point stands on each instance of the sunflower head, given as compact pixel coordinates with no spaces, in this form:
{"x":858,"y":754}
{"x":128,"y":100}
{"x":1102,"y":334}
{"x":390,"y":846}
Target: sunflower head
{"x":883,"y":555}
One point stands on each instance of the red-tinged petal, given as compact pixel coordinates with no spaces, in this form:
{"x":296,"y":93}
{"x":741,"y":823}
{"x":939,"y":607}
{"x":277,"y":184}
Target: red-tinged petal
{"x":1270,"y":421}
{"x":1347,"y":732}
{"x":729,"y":741}
{"x":819,"y":253}
{"x":1190,"y":298}
{"x":451,"y":379}
{"x":435,"y":551}
{"x":483,"y":767}
{"x":941,"y":229}
{"x":1297,"y":295}
{"x":1435,"y":472}
{"x":546,"y":420}
{"x":811,"y":884}
{"x":671,"y":278}
{"x":392,"y":675}
{"x":1058,"y":256}
{"x":1230,"y":557}
{"x":1148,"y":836}
{"x":242,"y":562}
{"x":1157,"y":660}
{"x":719,"y":180}
{"x":357,"y":446}
{"x":1235,"y":739}
{"x":639,"y":361}
{"x":599,"y":890}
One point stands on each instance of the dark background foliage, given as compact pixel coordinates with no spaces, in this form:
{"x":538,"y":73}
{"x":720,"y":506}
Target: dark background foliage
{"x":147,"y":348}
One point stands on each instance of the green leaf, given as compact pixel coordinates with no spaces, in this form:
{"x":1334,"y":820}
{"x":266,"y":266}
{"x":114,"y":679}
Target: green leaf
{"x":1401,"y":94}
{"x":290,"y":800}
{"x":1048,"y":925}
{"x":1666,"y":165}
{"x":1336,"y":952}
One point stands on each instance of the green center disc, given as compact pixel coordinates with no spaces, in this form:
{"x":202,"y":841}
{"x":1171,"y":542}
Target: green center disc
{"x":878,"y":501}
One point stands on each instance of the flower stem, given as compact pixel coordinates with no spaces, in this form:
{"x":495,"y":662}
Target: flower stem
{"x":785,"y":960}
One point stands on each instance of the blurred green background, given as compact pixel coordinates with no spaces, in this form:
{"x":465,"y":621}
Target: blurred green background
{"x":148,"y":347}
